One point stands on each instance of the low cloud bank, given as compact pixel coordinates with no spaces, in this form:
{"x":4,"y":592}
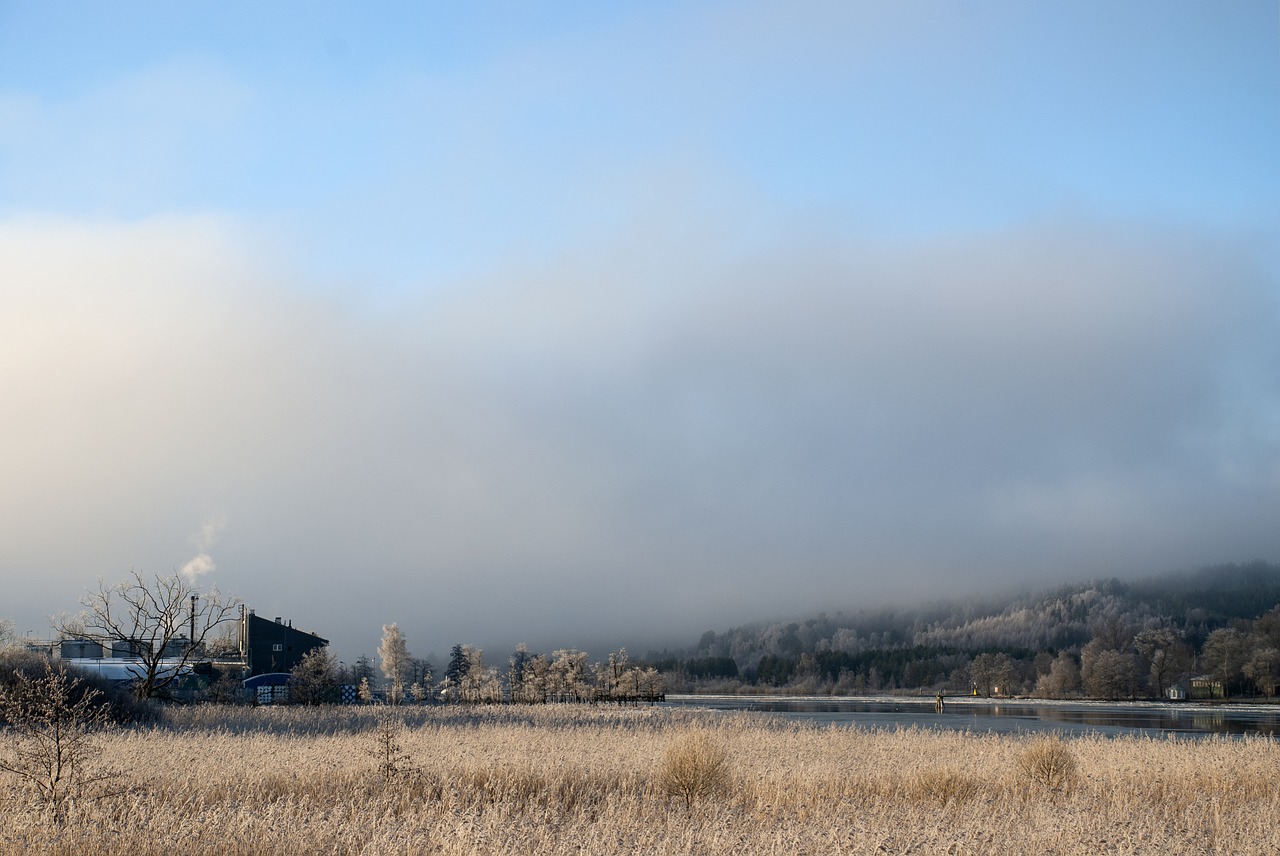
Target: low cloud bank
{"x":640,"y":441}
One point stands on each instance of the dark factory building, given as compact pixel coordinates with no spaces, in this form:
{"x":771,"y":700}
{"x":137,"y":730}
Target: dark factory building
{"x":274,"y":646}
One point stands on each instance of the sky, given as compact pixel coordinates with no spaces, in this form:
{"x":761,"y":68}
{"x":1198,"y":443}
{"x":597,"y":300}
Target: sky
{"x":601,"y":324}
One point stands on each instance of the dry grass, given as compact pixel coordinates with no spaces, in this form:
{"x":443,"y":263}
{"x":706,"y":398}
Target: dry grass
{"x":579,"y":780}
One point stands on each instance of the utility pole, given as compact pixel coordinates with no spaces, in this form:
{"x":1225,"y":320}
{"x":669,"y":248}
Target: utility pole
{"x":191,"y":642}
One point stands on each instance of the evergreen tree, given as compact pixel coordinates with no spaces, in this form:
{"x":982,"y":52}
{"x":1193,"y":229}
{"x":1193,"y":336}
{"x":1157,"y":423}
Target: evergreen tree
{"x":517,"y":665}
{"x":458,"y":665}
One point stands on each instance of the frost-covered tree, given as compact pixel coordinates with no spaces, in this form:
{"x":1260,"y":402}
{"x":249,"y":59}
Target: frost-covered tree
{"x":1263,"y":669}
{"x":1111,"y":631}
{"x":315,"y":679}
{"x":1167,"y":656}
{"x":567,"y":676}
{"x":396,"y":662}
{"x":1062,"y":680}
{"x":1107,"y":673}
{"x":48,"y":739}
{"x":1224,"y":656}
{"x":1266,"y":627}
{"x":650,"y":682}
{"x":619,"y":680}
{"x":611,"y":679}
{"x":992,"y":673}
{"x":534,"y":681}
{"x":8,"y":634}
{"x":479,"y":682}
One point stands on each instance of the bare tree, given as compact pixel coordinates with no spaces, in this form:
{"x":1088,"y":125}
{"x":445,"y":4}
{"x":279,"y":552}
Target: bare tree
{"x":420,"y":671}
{"x":50,"y":722}
{"x":163,"y":622}
{"x":361,"y":670}
{"x":396,"y":662}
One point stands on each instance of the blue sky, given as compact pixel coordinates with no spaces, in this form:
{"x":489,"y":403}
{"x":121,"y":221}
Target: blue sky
{"x":426,"y":141}
{"x":630,"y":298}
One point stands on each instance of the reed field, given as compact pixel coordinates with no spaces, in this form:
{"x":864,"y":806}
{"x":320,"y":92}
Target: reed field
{"x":597,"y":780}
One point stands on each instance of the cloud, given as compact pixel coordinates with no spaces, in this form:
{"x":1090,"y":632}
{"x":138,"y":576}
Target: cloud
{"x":640,"y":440}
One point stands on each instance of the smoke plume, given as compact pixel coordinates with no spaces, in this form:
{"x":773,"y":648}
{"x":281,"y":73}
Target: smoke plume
{"x":203,"y":540}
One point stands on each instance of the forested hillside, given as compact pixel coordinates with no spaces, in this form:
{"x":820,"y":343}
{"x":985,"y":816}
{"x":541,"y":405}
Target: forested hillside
{"x":1108,"y":639}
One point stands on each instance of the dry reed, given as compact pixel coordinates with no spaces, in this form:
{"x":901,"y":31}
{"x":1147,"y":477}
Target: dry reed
{"x":567,"y":779}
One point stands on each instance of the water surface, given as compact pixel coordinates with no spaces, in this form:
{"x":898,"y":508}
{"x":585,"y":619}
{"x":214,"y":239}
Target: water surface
{"x":1007,"y":716}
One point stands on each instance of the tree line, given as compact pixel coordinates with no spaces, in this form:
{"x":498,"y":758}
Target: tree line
{"x":1213,"y":632}
{"x":529,"y":678}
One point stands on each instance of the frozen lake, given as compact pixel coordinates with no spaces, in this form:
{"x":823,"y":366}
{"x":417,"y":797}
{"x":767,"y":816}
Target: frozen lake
{"x":964,"y":713}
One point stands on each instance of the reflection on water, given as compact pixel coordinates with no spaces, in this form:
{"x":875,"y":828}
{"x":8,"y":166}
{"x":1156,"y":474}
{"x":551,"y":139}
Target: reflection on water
{"x":969,"y":714}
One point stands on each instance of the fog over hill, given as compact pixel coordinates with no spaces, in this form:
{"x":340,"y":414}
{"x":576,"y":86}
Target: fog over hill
{"x":1222,"y":621}
{"x":1055,"y":617}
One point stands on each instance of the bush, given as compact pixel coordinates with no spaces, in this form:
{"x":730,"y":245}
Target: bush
{"x":122,"y":706}
{"x":694,"y":767}
{"x":1048,"y":763}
